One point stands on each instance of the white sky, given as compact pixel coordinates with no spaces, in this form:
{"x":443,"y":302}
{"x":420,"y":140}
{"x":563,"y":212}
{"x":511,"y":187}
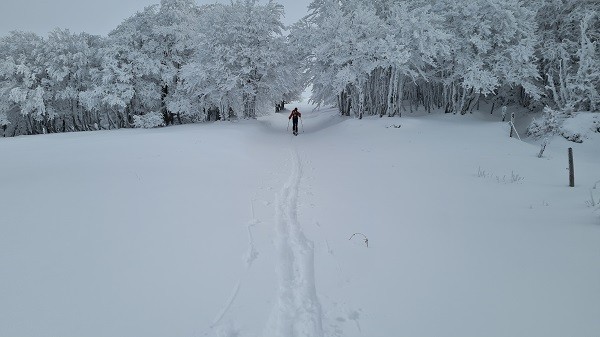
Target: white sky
{"x":95,"y":17}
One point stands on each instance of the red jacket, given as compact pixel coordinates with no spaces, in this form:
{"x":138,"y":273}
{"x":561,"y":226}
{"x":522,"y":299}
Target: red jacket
{"x":295,"y":114}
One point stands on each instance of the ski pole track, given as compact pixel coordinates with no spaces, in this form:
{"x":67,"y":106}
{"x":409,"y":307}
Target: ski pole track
{"x":228,"y":305}
{"x":252,"y":253}
{"x":250,"y":256}
{"x":297,"y":311}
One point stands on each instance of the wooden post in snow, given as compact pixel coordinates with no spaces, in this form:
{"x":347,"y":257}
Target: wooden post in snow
{"x":544,"y":144}
{"x":571,"y":169}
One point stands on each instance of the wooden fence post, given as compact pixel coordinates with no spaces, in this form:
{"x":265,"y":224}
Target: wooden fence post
{"x":544,"y":144}
{"x":571,"y":169}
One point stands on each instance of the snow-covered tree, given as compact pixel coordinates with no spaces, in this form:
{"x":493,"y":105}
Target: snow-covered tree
{"x":570,"y":53}
{"x":22,"y":71}
{"x":241,"y":65}
{"x":127,"y":80}
{"x":493,"y":45}
{"x":364,"y":52}
{"x":41,"y":81}
{"x":141,"y":63}
{"x":69,"y":59}
{"x":174,"y":30}
{"x":372,"y":56}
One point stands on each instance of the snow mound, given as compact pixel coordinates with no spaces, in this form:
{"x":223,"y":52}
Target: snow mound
{"x":573,"y":126}
{"x":581,"y":126}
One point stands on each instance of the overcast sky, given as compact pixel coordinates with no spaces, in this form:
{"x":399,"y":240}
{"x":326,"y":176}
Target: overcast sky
{"x":94,"y":16}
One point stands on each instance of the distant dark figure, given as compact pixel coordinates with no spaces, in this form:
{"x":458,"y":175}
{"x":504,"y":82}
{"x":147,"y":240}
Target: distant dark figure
{"x":294,"y":117}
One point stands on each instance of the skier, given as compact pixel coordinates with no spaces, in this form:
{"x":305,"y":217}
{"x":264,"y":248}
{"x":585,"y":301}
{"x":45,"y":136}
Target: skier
{"x":294,"y":117}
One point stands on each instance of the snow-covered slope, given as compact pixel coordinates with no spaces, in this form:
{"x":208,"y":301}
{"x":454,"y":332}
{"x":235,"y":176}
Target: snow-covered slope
{"x":241,"y":229}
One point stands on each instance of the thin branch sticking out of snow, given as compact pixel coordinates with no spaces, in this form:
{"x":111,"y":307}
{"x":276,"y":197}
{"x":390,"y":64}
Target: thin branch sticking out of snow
{"x":364,"y":236}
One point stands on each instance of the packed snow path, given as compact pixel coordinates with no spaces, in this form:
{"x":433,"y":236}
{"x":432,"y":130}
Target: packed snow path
{"x":297,"y":311}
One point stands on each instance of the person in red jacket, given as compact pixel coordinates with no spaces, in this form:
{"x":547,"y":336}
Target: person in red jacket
{"x":294,"y":117}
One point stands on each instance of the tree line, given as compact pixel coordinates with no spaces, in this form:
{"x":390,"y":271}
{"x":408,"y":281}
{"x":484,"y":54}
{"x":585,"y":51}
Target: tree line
{"x":174,"y":62}
{"x":177,"y":62}
{"x":385,"y":57}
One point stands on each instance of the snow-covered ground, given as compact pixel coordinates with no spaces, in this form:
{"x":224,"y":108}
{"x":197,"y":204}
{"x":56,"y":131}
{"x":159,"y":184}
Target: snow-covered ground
{"x":241,"y":229}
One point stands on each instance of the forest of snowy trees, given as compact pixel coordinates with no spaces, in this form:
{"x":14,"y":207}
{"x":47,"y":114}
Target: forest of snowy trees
{"x":385,"y":57}
{"x":177,"y":62}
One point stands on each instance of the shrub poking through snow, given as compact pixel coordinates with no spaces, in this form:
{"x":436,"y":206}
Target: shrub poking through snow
{"x":548,"y":124}
{"x":149,"y":120}
{"x":513,"y":178}
{"x":592,"y":201}
{"x":482,"y":174}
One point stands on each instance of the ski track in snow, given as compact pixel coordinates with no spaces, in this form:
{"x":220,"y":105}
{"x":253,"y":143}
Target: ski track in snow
{"x":297,"y":311}
{"x":228,"y":305}
{"x":251,"y":255}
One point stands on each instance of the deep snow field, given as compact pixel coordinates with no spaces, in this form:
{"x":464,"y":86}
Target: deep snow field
{"x":241,"y":229}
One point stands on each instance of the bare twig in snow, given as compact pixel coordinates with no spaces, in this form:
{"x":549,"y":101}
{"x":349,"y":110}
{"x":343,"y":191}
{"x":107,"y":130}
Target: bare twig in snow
{"x":364,"y":236}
